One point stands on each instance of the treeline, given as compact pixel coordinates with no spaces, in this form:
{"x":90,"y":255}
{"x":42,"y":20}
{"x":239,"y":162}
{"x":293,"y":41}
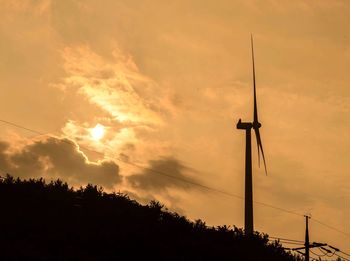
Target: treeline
{"x":52,"y":221}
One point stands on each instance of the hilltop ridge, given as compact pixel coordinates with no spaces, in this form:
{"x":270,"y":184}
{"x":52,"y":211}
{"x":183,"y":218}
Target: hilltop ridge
{"x":52,"y":221}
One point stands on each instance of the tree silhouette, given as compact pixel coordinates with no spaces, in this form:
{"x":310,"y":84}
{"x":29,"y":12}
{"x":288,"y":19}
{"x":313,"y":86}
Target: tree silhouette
{"x":52,"y":221}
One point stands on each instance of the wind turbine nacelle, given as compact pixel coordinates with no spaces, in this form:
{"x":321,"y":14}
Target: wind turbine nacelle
{"x":244,"y":125}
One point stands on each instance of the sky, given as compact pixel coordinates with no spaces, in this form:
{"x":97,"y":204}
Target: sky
{"x":168,"y":81}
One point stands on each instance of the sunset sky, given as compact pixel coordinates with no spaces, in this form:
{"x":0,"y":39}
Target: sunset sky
{"x":165,"y":82}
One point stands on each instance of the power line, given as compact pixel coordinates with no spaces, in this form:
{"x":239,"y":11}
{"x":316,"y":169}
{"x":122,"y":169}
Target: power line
{"x":22,"y":127}
{"x":291,"y":243}
{"x":300,"y":241}
{"x":316,"y":254}
{"x":342,"y":257}
{"x":344,"y":253}
{"x":331,"y":227}
{"x":169,"y":176}
{"x":152,"y":170}
{"x":286,"y":241}
{"x":327,"y":253}
{"x":178,"y":178}
{"x":279,"y":208}
{"x":125,"y":162}
{"x":207,"y":187}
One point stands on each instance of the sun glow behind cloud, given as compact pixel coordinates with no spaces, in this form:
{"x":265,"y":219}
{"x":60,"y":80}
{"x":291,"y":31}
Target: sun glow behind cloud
{"x":98,"y":132}
{"x":127,"y":103}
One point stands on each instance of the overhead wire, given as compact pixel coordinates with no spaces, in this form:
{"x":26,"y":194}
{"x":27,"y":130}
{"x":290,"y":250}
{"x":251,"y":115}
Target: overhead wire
{"x":280,"y":238}
{"x":291,"y":243}
{"x":315,"y":253}
{"x":123,"y":161}
{"x":178,"y":178}
{"x":287,"y":242}
{"x":279,"y":208}
{"x":342,"y":257}
{"x":331,"y":227}
{"x":66,"y":140}
{"x":22,"y":127}
{"x":326,"y":253}
{"x":344,"y":253}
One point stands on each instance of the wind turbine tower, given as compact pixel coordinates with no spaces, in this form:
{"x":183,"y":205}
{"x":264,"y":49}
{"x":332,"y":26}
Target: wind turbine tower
{"x":248,"y":126}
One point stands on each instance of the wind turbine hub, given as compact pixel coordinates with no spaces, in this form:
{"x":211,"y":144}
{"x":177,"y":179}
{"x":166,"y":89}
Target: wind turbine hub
{"x":256,"y":125}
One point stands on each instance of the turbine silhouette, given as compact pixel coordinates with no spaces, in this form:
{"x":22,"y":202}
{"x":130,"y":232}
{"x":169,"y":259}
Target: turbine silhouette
{"x":247,"y":126}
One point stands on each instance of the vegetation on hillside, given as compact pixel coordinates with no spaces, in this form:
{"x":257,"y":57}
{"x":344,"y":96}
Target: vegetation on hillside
{"x":51,"y":221}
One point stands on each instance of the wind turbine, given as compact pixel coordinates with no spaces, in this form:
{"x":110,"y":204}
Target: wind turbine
{"x":248,"y":126}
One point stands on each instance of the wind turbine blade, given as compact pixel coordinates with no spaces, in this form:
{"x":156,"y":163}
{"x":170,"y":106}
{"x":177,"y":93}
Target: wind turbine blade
{"x":257,"y":143}
{"x":255,"y":106}
{"x":260,"y":147}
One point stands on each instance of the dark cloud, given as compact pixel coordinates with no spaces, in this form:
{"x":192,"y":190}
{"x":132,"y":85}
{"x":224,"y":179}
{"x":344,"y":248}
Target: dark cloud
{"x":4,"y":164}
{"x":58,"y":158}
{"x":161,"y":174}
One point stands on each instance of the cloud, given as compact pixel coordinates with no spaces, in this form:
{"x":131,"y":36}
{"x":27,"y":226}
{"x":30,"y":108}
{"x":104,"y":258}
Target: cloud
{"x":166,"y":180}
{"x":163,"y":173}
{"x":133,"y":106}
{"x":58,"y":158}
{"x":117,"y":87}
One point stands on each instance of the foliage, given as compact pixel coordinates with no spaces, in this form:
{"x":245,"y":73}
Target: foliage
{"x":41,"y":221}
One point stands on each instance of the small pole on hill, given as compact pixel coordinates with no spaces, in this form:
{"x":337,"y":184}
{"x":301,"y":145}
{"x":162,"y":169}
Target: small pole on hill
{"x":307,"y":242}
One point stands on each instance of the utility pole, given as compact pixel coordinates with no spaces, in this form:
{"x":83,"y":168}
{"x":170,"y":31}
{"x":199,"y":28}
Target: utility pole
{"x":307,"y":242}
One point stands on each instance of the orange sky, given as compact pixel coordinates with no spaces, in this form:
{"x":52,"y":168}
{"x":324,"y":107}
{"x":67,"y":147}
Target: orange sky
{"x":169,"y":80}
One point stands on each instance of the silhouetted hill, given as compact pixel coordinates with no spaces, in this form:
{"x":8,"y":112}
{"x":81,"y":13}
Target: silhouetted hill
{"x":52,"y":221}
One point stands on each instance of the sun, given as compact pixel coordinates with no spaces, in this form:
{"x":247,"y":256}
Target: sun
{"x":98,"y":132}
